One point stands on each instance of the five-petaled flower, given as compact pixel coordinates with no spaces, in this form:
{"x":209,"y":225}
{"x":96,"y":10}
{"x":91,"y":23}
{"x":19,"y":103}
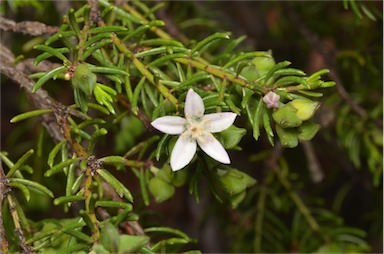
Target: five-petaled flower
{"x":195,"y":128}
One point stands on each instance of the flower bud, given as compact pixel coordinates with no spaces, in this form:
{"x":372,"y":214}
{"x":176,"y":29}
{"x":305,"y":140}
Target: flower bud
{"x":271,"y":100}
{"x":84,"y":79}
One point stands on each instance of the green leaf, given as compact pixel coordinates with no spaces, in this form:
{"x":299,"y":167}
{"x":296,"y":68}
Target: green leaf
{"x":88,"y":221}
{"x":107,"y":70}
{"x":168,"y":230}
{"x":46,"y":77}
{"x":55,"y":169}
{"x":166,"y":59}
{"x":256,"y":119}
{"x":59,"y":35}
{"x":23,"y":189}
{"x":75,"y":248}
{"x":288,"y":136}
{"x":180,"y":177}
{"x":80,"y":99}
{"x":305,"y":108}
{"x":286,"y":117}
{"x":245,"y":56}
{"x":73,"y":23}
{"x":161,"y":42}
{"x":32,"y":185}
{"x":290,"y":80}
{"x":113,"y":204}
{"x":267,"y":127}
{"x":53,"y":153}
{"x":54,"y":52}
{"x":165,"y":174}
{"x":76,"y":185}
{"x":143,"y":186}
{"x":19,"y":163}
{"x":235,"y":200}
{"x":107,"y":29}
{"x":116,"y":184}
{"x":46,"y":55}
{"x":67,"y":199}
{"x":275,"y":68}
{"x":93,"y":48}
{"x":97,"y":38}
{"x":132,"y":243}
{"x":234,"y":181}
{"x":122,"y":14}
{"x":109,"y":237}
{"x":161,"y":146}
{"x":103,"y":96}
{"x":136,"y":93}
{"x":160,"y":189}
{"x":232,"y":136}
{"x":308,"y":130}
{"x":207,"y":41}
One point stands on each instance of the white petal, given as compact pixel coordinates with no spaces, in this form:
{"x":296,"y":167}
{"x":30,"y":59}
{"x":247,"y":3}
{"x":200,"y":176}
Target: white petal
{"x":194,"y":105}
{"x":217,"y":122}
{"x":170,"y":124}
{"x":211,"y":146}
{"x":183,"y":152}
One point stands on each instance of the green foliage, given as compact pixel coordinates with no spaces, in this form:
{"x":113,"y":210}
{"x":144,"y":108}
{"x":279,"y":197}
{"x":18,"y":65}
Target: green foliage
{"x":106,"y":167}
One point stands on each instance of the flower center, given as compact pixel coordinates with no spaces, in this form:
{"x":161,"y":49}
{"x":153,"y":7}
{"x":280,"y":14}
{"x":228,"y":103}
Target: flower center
{"x":195,"y":128}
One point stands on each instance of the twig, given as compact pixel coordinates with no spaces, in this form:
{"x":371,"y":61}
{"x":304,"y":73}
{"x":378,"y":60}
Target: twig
{"x":40,"y":98}
{"x":19,"y":232}
{"x":27,"y":27}
{"x":314,"y":167}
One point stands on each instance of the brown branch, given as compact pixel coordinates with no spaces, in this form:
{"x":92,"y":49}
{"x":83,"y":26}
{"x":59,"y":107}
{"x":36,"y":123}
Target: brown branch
{"x":27,"y":27}
{"x":40,"y":99}
{"x":328,"y":55}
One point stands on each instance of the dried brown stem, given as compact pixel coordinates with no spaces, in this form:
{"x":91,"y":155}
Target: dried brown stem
{"x":40,"y":99}
{"x":27,"y":27}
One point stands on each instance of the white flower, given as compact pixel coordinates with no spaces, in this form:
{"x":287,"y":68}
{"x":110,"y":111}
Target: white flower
{"x":195,"y":128}
{"x":271,"y":100}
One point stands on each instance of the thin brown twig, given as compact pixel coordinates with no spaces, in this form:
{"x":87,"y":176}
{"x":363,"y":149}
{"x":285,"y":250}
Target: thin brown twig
{"x":27,"y":27}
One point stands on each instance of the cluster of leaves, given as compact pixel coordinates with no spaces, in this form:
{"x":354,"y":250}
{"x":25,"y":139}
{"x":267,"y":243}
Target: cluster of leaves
{"x":124,"y":66}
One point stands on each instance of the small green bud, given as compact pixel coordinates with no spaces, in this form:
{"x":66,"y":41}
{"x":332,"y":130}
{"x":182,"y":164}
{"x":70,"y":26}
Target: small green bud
{"x":160,"y":189}
{"x":84,"y":79}
{"x":286,"y":117}
{"x":305,"y":108}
